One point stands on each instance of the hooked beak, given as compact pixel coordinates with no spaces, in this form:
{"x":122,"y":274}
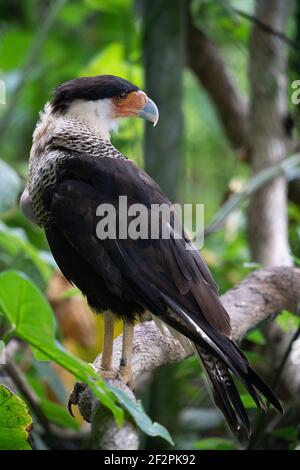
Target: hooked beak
{"x":136,"y":104}
{"x":149,"y":112}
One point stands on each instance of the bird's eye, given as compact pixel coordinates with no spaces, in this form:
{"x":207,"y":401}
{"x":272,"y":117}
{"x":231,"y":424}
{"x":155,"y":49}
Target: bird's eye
{"x":121,"y":97}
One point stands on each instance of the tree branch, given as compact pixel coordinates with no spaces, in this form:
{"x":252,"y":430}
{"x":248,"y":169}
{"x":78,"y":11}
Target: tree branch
{"x":268,"y":29}
{"x":262,"y":295}
{"x":206,"y":62}
{"x":285,"y":167}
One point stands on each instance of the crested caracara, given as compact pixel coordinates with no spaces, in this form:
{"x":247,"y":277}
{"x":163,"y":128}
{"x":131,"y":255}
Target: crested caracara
{"x":73,"y":169}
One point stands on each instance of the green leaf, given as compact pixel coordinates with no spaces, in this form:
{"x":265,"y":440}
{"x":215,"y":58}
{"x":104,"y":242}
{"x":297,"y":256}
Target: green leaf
{"x":215,"y":443}
{"x":288,"y":433}
{"x":58,"y":415}
{"x":32,"y":321}
{"x":248,"y":401}
{"x":287,"y":321}
{"x":15,"y":421}
{"x":39,"y":356}
{"x":10,"y":187}
{"x":22,"y":254}
{"x":113,"y":60}
{"x":74,"y":13}
{"x":26,"y":309}
{"x":72,"y":292}
{"x":254,"y":357}
{"x":141,"y":419}
{"x":115,"y":6}
{"x":13,"y":39}
{"x":256,"y":337}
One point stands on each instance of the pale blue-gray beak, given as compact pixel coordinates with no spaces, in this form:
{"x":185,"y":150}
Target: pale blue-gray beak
{"x":150,"y":112}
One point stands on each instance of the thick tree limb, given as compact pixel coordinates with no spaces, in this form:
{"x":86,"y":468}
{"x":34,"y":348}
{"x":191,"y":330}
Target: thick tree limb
{"x":268,"y":221}
{"x":206,"y":62}
{"x":261,"y":295}
{"x":233,"y":109}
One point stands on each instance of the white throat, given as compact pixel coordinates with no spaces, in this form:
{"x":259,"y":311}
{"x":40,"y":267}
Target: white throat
{"x":96,"y":114}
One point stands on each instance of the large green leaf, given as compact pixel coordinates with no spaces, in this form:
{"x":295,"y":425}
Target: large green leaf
{"x":15,"y":421}
{"x":20,"y":254}
{"x":32,"y":320}
{"x":10,"y":186}
{"x":142,"y":420}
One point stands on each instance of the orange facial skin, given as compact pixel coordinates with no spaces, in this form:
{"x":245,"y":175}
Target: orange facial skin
{"x":130,"y":104}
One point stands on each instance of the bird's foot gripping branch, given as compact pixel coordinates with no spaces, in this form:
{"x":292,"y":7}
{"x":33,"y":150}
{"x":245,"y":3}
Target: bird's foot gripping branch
{"x":261,"y":296}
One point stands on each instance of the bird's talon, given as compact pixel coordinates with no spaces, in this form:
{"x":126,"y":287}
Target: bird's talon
{"x":125,"y":375}
{"x":74,"y":396}
{"x":70,"y":404}
{"x":108,"y":374}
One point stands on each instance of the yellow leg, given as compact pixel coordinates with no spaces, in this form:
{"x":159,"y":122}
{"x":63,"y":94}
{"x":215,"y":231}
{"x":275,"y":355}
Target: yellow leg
{"x":125,"y":372}
{"x":107,"y":370}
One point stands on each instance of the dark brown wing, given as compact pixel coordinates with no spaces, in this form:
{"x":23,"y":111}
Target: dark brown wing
{"x":162,"y":266}
{"x":128,"y":275}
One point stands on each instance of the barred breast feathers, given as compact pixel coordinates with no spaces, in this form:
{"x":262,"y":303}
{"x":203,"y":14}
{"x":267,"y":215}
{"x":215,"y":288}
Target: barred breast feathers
{"x":58,"y":131}
{"x":55,"y":138}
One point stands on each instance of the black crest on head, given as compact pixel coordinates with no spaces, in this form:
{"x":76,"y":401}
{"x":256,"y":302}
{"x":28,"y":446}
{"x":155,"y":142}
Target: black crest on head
{"x":90,"y":89}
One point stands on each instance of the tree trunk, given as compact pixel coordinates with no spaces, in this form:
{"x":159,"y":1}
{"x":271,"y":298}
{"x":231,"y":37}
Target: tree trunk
{"x":268,"y":220}
{"x":164,"y":37}
{"x":267,"y":215}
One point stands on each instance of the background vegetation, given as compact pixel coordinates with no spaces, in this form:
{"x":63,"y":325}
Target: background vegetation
{"x":44,"y":43}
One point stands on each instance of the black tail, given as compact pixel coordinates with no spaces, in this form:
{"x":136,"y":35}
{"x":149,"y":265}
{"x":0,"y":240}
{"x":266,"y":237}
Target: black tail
{"x":225,"y":393}
{"x":221,"y":359}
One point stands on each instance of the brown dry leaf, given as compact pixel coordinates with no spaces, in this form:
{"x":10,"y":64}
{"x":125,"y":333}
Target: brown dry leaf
{"x":74,"y":316}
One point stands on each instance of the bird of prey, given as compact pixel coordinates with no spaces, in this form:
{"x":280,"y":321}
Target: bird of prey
{"x":73,"y":169}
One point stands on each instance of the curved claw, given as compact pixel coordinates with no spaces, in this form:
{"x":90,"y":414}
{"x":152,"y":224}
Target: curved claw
{"x":125,"y":375}
{"x":74,"y":396}
{"x":70,"y":404}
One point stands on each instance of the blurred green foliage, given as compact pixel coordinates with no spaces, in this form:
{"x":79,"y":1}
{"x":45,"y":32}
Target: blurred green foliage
{"x":91,"y":37}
